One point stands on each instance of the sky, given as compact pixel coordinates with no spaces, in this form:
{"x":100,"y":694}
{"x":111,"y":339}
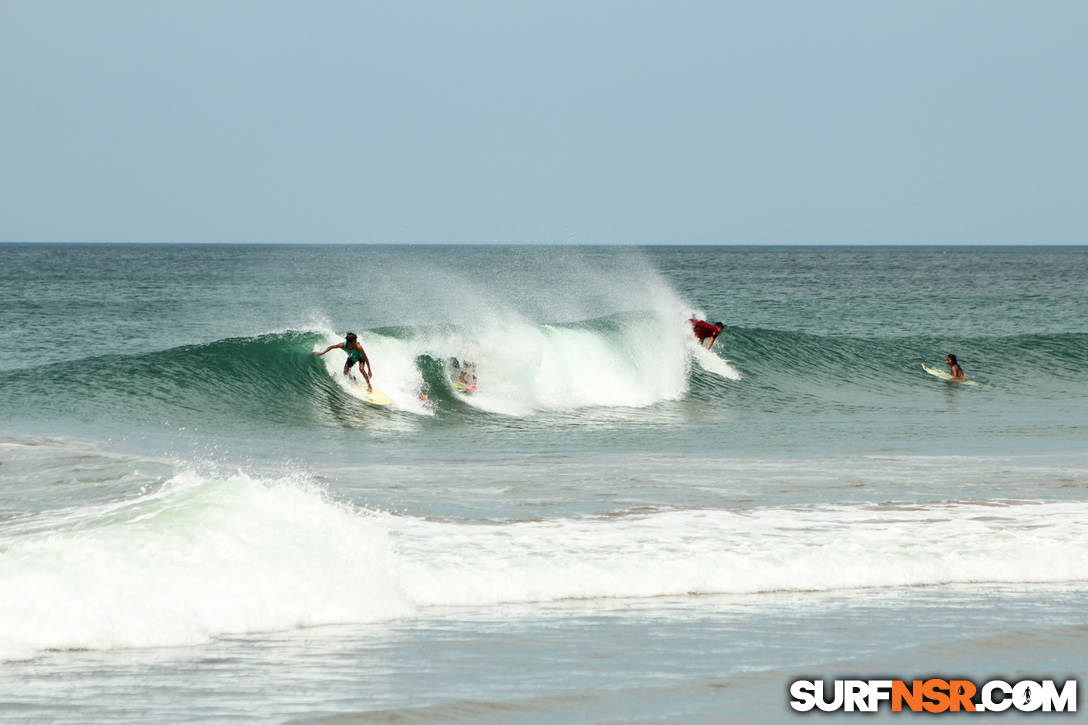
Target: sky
{"x":594,"y":121}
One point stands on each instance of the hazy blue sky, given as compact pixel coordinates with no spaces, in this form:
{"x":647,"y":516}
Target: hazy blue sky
{"x":598,"y":122}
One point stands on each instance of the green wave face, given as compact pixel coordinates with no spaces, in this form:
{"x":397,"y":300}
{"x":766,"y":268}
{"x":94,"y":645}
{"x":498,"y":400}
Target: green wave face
{"x":631,"y":361}
{"x":272,"y":377}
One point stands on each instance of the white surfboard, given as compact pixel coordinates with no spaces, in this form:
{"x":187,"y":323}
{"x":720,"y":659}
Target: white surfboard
{"x":936,"y":373}
{"x":945,"y":375}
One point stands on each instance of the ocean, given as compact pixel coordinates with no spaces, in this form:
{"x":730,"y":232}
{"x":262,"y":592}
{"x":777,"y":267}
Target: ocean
{"x":201,"y":522}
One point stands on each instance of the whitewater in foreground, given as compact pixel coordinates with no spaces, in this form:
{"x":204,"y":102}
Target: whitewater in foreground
{"x":200,"y":522}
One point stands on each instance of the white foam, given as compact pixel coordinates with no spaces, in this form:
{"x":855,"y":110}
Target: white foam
{"x":711,"y":362}
{"x":204,"y":556}
{"x":623,"y":343}
{"x":687,"y":552}
{"x":200,"y":557}
{"x":525,"y":368}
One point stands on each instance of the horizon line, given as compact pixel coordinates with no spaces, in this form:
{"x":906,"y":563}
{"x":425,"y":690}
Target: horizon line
{"x":552,"y":244}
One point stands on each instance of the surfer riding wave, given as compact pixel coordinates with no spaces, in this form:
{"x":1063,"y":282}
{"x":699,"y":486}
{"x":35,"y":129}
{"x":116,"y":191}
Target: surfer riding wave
{"x":705,"y":331}
{"x":356,"y":354}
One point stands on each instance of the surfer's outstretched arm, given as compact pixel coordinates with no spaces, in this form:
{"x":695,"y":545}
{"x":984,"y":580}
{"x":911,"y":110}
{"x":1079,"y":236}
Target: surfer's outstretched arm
{"x":330,"y":347}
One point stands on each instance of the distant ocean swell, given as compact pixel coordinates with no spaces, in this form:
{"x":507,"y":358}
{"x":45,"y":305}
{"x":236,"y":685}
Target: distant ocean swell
{"x":630,"y":361}
{"x":204,"y":555}
{"x":882,"y":360}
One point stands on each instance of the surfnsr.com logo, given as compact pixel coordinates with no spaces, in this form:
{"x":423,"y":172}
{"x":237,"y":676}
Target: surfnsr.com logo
{"x":933,"y":695}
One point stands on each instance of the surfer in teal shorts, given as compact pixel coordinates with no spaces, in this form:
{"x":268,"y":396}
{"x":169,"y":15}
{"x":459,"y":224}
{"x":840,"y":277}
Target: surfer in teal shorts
{"x":356,"y":354}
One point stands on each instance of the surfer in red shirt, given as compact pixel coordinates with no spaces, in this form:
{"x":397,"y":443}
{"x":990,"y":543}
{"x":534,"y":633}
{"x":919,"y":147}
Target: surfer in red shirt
{"x":705,"y":331}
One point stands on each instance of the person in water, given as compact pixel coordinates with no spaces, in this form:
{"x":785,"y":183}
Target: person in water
{"x":705,"y":331}
{"x":954,"y":368}
{"x":466,"y":373}
{"x":356,"y":354}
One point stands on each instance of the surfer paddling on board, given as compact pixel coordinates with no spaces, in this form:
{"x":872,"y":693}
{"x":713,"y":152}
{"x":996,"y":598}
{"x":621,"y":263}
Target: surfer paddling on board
{"x":705,"y":331}
{"x":954,"y":368}
{"x":356,"y":354}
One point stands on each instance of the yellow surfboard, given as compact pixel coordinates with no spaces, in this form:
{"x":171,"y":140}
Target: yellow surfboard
{"x":374,"y":397}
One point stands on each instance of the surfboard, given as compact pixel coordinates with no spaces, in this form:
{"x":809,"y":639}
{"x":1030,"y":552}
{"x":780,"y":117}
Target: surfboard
{"x":936,"y":373}
{"x":374,"y":397}
{"x":945,"y":376}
